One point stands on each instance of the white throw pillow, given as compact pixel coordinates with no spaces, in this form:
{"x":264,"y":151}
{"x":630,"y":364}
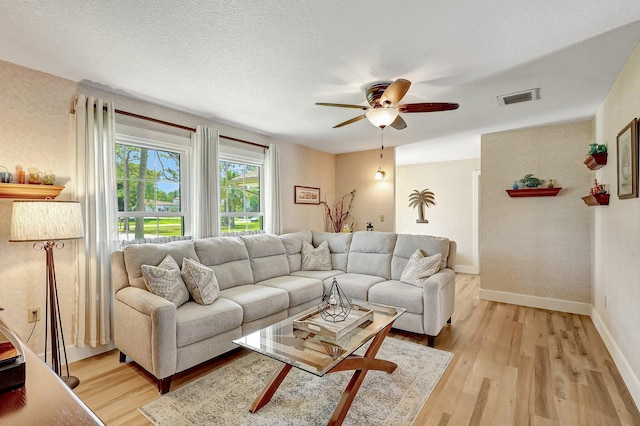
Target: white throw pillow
{"x":201,"y":281}
{"x":165,"y":281}
{"x":419,"y":268}
{"x":316,"y":259}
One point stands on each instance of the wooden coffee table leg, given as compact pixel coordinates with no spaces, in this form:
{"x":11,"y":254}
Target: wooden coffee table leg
{"x":270,"y":388}
{"x":351,"y":390}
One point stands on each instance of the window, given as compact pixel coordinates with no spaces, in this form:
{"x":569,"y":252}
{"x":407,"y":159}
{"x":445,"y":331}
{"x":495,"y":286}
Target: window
{"x":241,"y":188}
{"x":151,"y":187}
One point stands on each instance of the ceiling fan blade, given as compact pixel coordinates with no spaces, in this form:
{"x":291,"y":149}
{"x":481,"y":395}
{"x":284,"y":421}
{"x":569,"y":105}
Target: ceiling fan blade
{"x":353,"y":120}
{"x":343,"y":105}
{"x":427,"y":107}
{"x":399,"y":123}
{"x":395,"y":92}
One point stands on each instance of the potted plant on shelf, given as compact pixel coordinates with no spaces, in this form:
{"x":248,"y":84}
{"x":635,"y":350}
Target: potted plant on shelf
{"x":597,"y":156}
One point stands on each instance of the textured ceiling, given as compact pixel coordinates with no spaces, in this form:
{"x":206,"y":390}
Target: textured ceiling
{"x":263,"y":65}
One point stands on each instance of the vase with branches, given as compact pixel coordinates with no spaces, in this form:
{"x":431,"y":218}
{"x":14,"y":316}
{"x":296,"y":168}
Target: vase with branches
{"x":337,"y":217}
{"x":420,"y":199}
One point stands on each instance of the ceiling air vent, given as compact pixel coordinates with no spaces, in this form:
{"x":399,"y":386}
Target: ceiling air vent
{"x":516,"y":98}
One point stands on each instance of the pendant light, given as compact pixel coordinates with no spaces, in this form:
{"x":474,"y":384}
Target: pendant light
{"x":380,"y":174}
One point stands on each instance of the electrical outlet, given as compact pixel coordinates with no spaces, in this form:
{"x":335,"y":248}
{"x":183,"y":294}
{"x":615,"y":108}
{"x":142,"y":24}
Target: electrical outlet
{"x":33,"y":314}
{"x":605,"y":302}
{"x":381,"y":218}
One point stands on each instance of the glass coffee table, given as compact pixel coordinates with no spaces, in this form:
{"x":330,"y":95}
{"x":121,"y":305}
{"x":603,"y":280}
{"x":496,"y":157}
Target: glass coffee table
{"x":320,"y":354}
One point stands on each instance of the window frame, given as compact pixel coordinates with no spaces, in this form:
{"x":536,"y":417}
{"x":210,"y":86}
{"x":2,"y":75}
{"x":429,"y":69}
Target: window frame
{"x":143,"y":138}
{"x":235,"y":153}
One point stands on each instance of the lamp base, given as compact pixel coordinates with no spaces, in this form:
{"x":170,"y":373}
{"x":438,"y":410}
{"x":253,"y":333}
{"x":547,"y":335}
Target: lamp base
{"x":71,"y":381}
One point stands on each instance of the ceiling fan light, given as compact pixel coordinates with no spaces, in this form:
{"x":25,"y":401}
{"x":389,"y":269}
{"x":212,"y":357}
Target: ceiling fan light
{"x":380,"y":174}
{"x":382,"y":117}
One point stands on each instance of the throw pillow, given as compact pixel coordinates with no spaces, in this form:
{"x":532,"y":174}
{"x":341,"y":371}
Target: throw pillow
{"x":201,"y":281}
{"x":419,"y":268}
{"x":316,"y":259}
{"x":165,"y":281}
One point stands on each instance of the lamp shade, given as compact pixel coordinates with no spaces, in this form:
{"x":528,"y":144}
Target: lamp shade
{"x":380,"y":174}
{"x":46,"y":221}
{"x":382,"y":117}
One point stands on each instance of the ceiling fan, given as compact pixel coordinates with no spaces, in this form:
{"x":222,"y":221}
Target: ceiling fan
{"x":383,"y":109}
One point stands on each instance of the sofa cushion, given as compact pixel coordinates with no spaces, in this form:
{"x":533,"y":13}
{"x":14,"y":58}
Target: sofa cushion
{"x":165,"y":281}
{"x":229,"y":259}
{"x":397,"y":293}
{"x":267,"y":256}
{"x":301,"y":289}
{"x":257,"y":301}
{"x":355,"y":286}
{"x":293,"y":247}
{"x":316,"y":258}
{"x":201,"y":282}
{"x":136,"y":255}
{"x":407,"y":244}
{"x":318,"y":275}
{"x":196,"y":322}
{"x":371,"y":253}
{"x":339,"y":244}
{"x":419,"y":268}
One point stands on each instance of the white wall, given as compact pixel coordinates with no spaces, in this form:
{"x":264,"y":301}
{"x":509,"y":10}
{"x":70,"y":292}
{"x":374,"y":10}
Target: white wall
{"x":616,"y":258}
{"x":537,"y":251}
{"x":455,"y":214}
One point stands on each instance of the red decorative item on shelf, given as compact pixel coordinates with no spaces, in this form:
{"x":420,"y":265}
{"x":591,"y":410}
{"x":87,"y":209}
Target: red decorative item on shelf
{"x":598,"y":196}
{"x":596,"y":161}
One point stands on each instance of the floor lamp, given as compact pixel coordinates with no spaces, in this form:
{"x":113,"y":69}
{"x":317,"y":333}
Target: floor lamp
{"x":47,"y":223}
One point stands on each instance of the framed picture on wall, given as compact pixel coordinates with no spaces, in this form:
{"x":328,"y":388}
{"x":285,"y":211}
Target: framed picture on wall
{"x":306,"y":195}
{"x":627,"y":144}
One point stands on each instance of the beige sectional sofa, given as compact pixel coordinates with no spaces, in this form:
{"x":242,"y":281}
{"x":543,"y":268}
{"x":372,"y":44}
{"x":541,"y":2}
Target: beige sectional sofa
{"x":261,"y":282}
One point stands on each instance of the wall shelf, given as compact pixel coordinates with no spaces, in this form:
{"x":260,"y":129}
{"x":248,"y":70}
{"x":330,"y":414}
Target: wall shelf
{"x":596,"y":161}
{"x":533,"y":192}
{"x":596,"y":199}
{"x":29,"y":191}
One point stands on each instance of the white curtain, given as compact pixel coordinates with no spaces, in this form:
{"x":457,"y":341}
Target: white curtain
{"x":272,"y":192}
{"x":95,"y":155}
{"x":207,"y":190}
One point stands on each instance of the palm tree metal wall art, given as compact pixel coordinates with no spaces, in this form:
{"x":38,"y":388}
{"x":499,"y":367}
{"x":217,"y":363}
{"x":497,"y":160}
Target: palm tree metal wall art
{"x":420,"y":199}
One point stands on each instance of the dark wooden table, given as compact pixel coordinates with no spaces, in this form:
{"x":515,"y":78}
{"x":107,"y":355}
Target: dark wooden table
{"x":44,"y":399}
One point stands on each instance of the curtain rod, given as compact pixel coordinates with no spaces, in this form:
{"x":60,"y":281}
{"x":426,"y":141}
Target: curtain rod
{"x":170,"y":124}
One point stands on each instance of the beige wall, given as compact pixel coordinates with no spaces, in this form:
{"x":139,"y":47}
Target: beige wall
{"x":455,"y":214}
{"x":374,"y":200}
{"x":35,"y":123}
{"x":538,"y":246}
{"x":37,"y":130}
{"x":616,"y":258}
{"x":295,"y":169}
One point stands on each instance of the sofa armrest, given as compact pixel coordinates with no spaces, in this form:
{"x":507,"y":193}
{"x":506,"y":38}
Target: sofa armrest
{"x":145,"y":330}
{"x":439,"y":300}
{"x":119,"y":277}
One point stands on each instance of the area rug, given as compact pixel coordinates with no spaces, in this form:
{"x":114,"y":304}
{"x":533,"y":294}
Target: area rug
{"x":224,"y":396}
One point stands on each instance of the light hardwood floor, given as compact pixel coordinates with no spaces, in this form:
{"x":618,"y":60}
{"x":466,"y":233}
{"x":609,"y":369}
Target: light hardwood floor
{"x":512,"y":366}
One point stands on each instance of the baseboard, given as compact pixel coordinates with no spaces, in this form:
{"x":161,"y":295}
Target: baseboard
{"x":464,"y":269}
{"x":75,"y":353}
{"x":536,"y":302}
{"x":630,"y":379}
